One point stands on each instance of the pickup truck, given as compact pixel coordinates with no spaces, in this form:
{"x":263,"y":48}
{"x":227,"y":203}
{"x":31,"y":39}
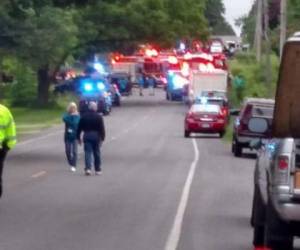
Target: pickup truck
{"x":276,"y":201}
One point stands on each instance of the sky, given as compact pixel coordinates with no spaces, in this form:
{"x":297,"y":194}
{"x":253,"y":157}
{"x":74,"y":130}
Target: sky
{"x":236,"y":9}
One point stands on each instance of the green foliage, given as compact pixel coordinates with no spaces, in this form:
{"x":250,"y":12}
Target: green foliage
{"x":22,"y":91}
{"x":214,"y":13}
{"x":245,"y":66}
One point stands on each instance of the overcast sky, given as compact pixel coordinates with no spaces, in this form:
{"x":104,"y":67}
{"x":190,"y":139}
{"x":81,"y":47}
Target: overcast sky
{"x":236,"y":9}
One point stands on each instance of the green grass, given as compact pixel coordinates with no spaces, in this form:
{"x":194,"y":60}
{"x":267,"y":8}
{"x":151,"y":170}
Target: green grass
{"x":33,"y":120}
{"x":229,"y":131}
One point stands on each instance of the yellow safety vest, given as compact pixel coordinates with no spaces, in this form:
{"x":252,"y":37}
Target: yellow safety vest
{"x":7,"y":128}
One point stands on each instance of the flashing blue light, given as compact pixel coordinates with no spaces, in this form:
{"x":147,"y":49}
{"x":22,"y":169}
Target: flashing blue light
{"x":99,"y":67}
{"x":100,"y":86}
{"x":88,"y":87}
{"x":271,"y":147}
{"x":182,"y":46}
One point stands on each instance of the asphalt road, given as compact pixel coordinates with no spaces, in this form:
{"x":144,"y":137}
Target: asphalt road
{"x":158,"y":191}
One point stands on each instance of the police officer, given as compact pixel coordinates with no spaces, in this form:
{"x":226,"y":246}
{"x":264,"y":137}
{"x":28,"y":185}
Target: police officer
{"x":7,"y":137}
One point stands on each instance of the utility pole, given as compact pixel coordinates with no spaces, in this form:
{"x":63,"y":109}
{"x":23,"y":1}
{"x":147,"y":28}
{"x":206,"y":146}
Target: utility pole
{"x":258,"y":30}
{"x":283,"y":24}
{"x":268,"y":67}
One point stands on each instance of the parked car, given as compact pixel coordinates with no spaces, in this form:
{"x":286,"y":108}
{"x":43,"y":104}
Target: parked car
{"x":252,"y":108}
{"x":276,"y":201}
{"x":205,"y":118}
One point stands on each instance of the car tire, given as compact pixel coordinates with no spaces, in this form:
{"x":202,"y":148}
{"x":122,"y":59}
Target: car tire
{"x":258,"y":218}
{"x":187,"y":134}
{"x":237,"y":149}
{"x":118,"y":101}
{"x":277,"y":232}
{"x":222,"y":133}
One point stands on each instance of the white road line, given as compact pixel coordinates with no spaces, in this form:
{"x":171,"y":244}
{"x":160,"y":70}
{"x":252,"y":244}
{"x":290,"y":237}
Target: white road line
{"x":175,"y":233}
{"x":39,"y":174}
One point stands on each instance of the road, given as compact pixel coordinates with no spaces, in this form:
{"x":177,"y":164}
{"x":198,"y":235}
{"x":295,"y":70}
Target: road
{"x":158,"y":190}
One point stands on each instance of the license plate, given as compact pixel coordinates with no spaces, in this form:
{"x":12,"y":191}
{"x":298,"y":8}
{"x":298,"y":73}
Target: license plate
{"x":297,"y":180}
{"x":205,"y":125}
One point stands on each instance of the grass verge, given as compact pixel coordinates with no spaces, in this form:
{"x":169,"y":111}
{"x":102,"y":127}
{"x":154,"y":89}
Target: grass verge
{"x":34,"y":120}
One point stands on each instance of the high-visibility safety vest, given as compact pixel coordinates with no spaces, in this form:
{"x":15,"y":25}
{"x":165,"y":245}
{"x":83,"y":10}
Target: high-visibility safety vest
{"x":8,"y":135}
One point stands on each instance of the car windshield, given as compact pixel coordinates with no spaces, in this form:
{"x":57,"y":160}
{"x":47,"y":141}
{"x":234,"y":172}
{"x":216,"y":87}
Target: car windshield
{"x":262,"y":111}
{"x":208,"y":108}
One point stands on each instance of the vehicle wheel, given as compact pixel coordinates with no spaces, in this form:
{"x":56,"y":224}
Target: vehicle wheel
{"x":118,"y":101}
{"x":277,"y":233}
{"x":237,"y":149}
{"x":186,"y":134}
{"x":258,"y":218}
{"x":222,"y":133}
{"x":107,"y":111}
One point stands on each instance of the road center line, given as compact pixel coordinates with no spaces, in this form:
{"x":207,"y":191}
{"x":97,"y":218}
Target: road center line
{"x":175,"y":233}
{"x":39,"y":174}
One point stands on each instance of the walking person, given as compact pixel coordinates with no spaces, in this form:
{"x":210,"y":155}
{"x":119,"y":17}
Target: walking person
{"x":8,"y":137}
{"x":92,"y":126}
{"x":151,"y":82}
{"x":141,"y":83}
{"x":71,"y":120}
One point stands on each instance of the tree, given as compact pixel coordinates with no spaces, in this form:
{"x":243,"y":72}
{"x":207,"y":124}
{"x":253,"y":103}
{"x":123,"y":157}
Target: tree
{"x":214,"y":13}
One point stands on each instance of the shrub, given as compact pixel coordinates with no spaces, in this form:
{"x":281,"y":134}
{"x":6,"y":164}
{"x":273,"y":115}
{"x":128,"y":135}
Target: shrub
{"x":245,"y":66}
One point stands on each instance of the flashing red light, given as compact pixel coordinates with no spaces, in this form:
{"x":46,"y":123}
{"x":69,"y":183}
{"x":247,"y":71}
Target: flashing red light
{"x":173,"y":60}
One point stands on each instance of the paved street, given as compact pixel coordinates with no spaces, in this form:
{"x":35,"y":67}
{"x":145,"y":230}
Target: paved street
{"x":158,"y":189}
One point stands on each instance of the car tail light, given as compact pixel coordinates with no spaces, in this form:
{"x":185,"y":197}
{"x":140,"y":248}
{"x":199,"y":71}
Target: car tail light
{"x":190,"y":116}
{"x":221,"y":118}
{"x":282,"y":170}
{"x":245,"y":118}
{"x":283,"y":163}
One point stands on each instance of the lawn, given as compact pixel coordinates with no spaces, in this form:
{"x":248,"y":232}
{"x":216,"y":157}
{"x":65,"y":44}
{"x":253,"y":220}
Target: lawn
{"x":33,"y":120}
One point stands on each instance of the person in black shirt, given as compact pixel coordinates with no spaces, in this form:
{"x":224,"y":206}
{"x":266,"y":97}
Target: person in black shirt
{"x":92,"y":126}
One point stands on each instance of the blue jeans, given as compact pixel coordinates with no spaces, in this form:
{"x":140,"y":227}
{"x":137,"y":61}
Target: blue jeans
{"x":92,"y":151}
{"x":71,"y":152}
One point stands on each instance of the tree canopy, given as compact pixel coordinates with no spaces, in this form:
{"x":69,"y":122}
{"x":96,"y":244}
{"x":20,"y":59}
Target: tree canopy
{"x":43,"y":33}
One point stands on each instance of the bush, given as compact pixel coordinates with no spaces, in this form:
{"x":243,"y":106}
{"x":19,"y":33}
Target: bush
{"x":245,"y":66}
{"x":22,"y":91}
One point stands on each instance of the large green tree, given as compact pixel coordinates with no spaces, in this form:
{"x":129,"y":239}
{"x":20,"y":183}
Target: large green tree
{"x":214,"y":13}
{"x":43,"y":33}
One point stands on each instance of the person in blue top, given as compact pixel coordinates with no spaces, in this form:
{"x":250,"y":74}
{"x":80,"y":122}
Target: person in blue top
{"x":141,"y":83}
{"x":71,"y":120}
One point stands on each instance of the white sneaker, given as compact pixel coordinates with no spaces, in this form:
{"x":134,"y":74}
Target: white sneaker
{"x":73,"y":169}
{"x":88,"y":172}
{"x":98,"y":172}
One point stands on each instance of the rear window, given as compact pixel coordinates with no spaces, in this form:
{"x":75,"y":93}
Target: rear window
{"x":261,"y":111}
{"x":201,"y":108}
{"x":217,"y":102}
